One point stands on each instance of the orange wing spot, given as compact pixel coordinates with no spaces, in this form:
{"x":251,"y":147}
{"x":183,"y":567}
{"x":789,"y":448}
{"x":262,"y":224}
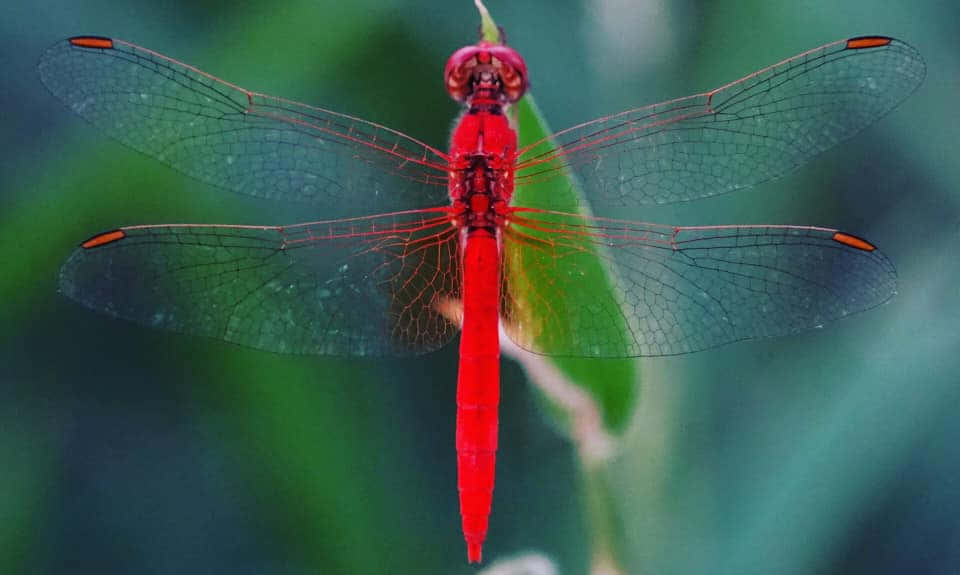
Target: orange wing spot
{"x":103,"y":239}
{"x":92,"y":42}
{"x":853,"y":242}
{"x":867,"y":42}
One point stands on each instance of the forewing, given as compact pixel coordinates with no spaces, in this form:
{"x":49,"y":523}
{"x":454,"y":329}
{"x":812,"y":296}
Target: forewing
{"x":676,"y":290}
{"x":741,"y":134}
{"x":364,"y":286}
{"x":240,"y":140}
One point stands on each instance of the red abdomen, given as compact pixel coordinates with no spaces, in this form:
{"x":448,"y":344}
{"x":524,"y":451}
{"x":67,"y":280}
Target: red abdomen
{"x":478,"y":386}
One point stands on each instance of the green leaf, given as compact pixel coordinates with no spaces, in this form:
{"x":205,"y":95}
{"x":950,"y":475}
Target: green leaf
{"x":610,"y":382}
{"x":489,"y":30}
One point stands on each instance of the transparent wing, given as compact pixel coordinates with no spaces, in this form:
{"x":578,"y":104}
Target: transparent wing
{"x":738,"y":135}
{"x":596,"y":287}
{"x":361,"y":286}
{"x":240,"y":140}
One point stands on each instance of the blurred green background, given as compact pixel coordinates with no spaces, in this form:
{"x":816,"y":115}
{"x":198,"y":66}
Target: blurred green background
{"x":125,"y":450}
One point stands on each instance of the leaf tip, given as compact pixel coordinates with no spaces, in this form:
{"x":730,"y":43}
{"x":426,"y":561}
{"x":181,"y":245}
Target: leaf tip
{"x":489,"y":30}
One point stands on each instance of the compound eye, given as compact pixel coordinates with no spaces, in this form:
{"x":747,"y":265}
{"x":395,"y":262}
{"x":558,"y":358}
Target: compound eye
{"x":513,"y":71}
{"x":513,"y":83}
{"x":457,"y":74}
{"x":458,"y":84}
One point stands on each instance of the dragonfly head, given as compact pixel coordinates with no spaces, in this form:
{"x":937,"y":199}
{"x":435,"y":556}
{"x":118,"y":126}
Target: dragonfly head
{"x":486,"y":70}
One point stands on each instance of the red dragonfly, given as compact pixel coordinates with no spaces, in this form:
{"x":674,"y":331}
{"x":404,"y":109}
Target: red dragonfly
{"x":447,"y":251}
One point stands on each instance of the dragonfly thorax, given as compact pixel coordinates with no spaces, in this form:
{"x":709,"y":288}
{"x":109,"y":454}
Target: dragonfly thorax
{"x":477,"y":192}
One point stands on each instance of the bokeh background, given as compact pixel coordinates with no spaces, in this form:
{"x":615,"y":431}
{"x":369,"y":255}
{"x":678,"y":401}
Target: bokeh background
{"x":124,"y":450}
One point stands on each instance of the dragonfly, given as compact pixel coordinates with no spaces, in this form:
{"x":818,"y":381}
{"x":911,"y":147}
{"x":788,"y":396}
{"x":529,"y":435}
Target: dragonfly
{"x":434,"y":243}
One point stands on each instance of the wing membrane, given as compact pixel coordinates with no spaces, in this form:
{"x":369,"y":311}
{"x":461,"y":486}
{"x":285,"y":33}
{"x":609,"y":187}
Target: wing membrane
{"x":240,"y":140}
{"x":741,"y":134}
{"x":675,"y":289}
{"x":362,"y":286}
